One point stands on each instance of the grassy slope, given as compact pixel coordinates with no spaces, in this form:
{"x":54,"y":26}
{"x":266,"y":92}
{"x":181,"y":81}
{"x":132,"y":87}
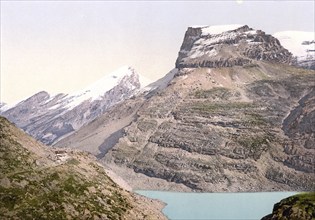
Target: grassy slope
{"x":42,"y":188}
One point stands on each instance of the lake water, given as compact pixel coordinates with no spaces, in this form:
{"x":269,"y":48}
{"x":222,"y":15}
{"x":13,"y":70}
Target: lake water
{"x":206,"y":206}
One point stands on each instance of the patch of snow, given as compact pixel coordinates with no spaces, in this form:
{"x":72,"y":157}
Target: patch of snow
{"x":96,"y":90}
{"x":49,"y":135}
{"x":293,"y":41}
{"x":219,"y":29}
{"x":199,"y":49}
{"x":199,"y":26}
{"x":184,"y":51}
{"x":51,"y":97}
{"x":3,"y":107}
{"x":12,"y":105}
{"x":55,"y":106}
{"x":161,"y":83}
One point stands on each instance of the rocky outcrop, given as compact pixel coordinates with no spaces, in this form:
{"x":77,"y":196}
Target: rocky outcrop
{"x":51,"y":118}
{"x":239,"y":46}
{"x":299,"y":207}
{"x":300,"y":123}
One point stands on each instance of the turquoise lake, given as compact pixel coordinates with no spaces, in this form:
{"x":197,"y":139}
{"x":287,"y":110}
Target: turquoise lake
{"x":206,"y":206}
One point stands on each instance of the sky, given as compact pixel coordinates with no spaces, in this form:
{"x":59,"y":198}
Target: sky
{"x":63,"y":46}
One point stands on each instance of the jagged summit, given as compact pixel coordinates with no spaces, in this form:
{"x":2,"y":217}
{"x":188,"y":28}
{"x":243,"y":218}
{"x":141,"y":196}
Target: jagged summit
{"x":229,"y":45}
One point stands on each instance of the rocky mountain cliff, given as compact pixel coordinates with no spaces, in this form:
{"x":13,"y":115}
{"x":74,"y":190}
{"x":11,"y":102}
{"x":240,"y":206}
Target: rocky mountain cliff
{"x":235,"y":117}
{"x":227,"y":46}
{"x":37,"y":182}
{"x":50,"y":118}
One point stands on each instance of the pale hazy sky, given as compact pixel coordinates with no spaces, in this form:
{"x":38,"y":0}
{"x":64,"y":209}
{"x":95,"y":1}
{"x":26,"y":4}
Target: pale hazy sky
{"x":61,"y":46}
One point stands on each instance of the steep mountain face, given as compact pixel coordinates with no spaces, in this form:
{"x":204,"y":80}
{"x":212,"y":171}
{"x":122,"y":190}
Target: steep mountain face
{"x":50,"y":118}
{"x":300,"y":206}
{"x":38,"y":182}
{"x":244,"y":126}
{"x":229,"y":45}
{"x":301,"y":45}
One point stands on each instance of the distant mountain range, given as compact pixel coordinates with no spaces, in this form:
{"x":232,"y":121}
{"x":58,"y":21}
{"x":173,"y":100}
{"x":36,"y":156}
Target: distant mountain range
{"x":49,"y":118}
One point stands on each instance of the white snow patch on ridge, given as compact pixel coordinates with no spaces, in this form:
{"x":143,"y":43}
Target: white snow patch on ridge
{"x":97,"y":89}
{"x":219,"y":29}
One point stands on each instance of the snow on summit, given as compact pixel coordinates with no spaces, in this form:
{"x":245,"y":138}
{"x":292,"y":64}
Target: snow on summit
{"x":97,"y":89}
{"x":219,"y":29}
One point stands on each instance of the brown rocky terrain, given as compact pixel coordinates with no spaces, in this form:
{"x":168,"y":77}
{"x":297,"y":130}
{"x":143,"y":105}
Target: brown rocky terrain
{"x":37,"y":182}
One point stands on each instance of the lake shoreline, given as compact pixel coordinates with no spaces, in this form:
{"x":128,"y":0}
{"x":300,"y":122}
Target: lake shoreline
{"x":218,"y":205}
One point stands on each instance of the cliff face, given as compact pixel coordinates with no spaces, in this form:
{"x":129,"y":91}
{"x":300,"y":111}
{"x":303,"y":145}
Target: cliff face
{"x":300,"y":123}
{"x":226,"y":46}
{"x":220,"y":130}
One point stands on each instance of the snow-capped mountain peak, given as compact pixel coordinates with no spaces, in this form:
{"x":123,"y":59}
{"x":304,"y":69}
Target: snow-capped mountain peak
{"x":96,"y":90}
{"x":228,"y":45}
{"x":51,"y":117}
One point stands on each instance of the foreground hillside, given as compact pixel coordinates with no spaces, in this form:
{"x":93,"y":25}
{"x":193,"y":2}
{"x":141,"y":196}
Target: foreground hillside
{"x":41,"y":183}
{"x":299,"y":207}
